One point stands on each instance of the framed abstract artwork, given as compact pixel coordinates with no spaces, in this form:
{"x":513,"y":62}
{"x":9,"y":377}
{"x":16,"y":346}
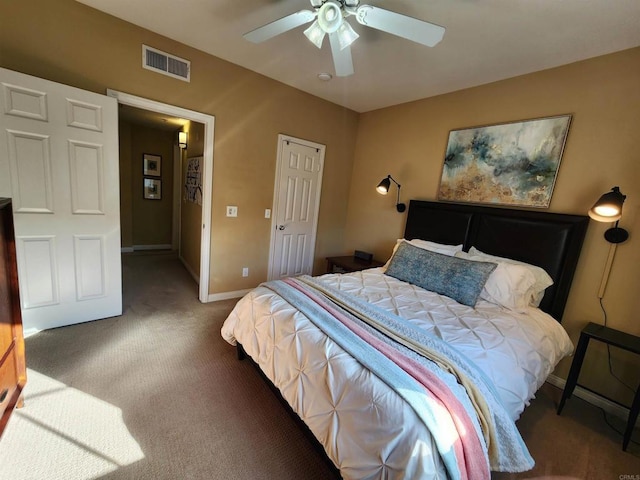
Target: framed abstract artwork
{"x":151,"y":165}
{"x":508,"y":164}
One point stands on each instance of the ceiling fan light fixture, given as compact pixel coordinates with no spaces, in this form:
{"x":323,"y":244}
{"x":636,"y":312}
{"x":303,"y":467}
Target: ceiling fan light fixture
{"x":346,"y":35}
{"x":315,"y":34}
{"x":330,"y":17}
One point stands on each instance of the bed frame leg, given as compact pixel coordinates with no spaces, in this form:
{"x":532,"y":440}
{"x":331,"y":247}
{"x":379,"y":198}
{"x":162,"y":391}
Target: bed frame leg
{"x":241,"y":353}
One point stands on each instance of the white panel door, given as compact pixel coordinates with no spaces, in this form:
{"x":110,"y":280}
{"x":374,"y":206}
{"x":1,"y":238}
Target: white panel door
{"x":296,"y":204}
{"x":59,"y":164}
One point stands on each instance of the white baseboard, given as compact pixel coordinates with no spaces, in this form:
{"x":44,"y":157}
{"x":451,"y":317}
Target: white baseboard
{"x":594,"y":399}
{"x":30,"y":331}
{"x":216,"y":297}
{"x":146,"y":247}
{"x":167,"y":246}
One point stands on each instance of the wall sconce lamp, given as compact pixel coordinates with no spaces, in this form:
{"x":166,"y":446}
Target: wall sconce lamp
{"x":383,"y":189}
{"x":182,"y":140}
{"x":609,"y":209}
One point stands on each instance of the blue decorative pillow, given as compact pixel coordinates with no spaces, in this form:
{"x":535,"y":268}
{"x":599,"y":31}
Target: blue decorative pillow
{"x":454,"y":277}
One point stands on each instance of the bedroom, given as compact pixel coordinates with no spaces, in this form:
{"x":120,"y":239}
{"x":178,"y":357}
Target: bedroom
{"x":601,"y":93}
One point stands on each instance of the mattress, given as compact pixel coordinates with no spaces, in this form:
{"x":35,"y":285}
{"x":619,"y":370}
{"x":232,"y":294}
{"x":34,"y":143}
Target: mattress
{"x":367,"y":430}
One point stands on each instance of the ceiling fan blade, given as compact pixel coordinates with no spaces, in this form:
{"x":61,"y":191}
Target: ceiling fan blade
{"x":418,"y":31}
{"x":279,"y":26}
{"x":341,"y":57}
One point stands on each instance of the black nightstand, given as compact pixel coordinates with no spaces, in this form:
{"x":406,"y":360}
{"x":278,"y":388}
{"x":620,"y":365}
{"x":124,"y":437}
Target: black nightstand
{"x":609,"y":336}
{"x":350,"y":263}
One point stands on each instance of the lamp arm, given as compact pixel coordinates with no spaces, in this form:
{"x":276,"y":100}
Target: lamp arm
{"x":398,"y":185}
{"x":393,"y":180}
{"x":401,"y":207}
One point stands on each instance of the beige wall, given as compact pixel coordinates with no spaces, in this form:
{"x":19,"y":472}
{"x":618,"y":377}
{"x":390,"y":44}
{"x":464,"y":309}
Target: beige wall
{"x":144,"y":222}
{"x":603,"y":95}
{"x":70,"y":43}
{"x":151,"y":219}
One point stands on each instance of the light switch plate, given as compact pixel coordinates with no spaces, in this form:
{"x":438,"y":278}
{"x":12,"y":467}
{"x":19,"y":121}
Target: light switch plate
{"x":232,"y":211}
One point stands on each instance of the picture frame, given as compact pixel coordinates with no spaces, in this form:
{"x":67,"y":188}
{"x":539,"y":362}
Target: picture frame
{"x":513,"y":164}
{"x":151,"y":165}
{"x":152,"y":189}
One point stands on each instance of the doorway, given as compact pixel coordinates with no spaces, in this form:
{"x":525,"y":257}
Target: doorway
{"x":207,"y":172}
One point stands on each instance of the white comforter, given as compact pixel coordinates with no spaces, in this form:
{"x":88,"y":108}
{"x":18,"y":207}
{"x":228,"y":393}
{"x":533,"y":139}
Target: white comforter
{"x":366,"y":428}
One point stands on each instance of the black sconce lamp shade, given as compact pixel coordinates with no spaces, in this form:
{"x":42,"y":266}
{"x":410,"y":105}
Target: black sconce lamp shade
{"x":383,"y":188}
{"x":608,"y":208}
{"x":384,"y":185}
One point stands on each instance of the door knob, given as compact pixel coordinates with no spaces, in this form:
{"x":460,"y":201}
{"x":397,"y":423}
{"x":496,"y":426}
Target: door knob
{"x":281,"y":227}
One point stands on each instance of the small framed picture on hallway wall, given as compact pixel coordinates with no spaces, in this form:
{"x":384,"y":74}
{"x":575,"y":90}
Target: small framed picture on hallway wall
{"x":151,"y":165}
{"x":152,"y":189}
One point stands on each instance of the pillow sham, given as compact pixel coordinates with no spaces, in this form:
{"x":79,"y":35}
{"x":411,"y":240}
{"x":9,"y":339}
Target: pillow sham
{"x":509,"y":285}
{"x":442,"y":248}
{"x":457,"y":278}
{"x":543,"y":280}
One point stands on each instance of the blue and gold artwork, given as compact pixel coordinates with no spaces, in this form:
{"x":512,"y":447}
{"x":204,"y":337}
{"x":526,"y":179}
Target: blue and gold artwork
{"x":509,"y":164}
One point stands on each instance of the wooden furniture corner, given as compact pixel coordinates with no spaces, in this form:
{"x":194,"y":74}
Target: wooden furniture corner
{"x":13,"y":376}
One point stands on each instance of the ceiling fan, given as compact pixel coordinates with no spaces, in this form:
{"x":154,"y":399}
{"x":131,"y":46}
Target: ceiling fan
{"x":330,"y":18}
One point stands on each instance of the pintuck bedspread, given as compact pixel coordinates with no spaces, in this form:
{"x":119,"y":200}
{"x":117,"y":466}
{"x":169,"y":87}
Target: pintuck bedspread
{"x":368,"y":429}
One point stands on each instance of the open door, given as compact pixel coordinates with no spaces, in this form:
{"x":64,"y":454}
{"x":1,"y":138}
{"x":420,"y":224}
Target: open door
{"x":59,"y":164}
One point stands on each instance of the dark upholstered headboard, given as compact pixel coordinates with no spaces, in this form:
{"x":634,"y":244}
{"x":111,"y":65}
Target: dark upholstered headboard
{"x":549,"y":240}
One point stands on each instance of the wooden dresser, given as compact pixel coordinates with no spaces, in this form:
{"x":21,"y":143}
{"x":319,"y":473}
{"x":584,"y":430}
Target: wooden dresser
{"x":13,"y":376}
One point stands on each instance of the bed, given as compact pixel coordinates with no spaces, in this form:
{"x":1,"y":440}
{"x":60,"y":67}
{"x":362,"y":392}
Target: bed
{"x":396,"y":380}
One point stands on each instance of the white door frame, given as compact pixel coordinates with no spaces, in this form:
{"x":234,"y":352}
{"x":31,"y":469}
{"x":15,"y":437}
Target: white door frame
{"x":274,"y":211}
{"x":207,"y":174}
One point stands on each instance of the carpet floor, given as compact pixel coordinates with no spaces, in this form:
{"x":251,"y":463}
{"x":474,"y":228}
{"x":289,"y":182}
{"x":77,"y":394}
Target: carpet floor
{"x":157,"y":394}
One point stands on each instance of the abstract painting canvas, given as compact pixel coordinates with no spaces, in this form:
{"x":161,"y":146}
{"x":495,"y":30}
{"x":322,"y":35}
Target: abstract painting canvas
{"x":508,"y":164}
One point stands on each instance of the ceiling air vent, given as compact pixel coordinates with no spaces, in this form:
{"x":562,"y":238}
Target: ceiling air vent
{"x":165,"y":63}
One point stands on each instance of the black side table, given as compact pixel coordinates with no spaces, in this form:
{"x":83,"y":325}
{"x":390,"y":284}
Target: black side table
{"x":349,"y":263}
{"x":609,"y":336}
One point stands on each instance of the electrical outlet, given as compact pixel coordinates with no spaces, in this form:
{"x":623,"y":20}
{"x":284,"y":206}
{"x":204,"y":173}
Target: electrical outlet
{"x":232,"y":211}
{"x":245,"y":271}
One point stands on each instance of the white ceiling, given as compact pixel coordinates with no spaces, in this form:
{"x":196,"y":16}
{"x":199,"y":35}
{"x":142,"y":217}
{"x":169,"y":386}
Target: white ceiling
{"x":485,"y":41}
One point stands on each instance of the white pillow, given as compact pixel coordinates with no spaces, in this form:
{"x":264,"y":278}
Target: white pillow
{"x":509,"y":285}
{"x":543,"y":280}
{"x":449,"y":250}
